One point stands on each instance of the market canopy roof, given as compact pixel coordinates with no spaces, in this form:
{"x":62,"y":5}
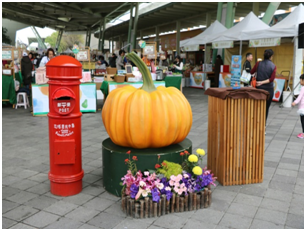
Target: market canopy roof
{"x":250,"y":23}
{"x":214,"y":28}
{"x":288,"y":27}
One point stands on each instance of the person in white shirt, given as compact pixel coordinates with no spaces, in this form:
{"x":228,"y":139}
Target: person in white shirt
{"x":49,"y":55}
{"x":178,"y":64}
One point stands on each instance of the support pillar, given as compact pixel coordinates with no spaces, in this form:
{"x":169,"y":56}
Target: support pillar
{"x":219,"y":15}
{"x":59,"y":38}
{"x":141,"y":35}
{"x":178,"y":37}
{"x":103,"y":34}
{"x":255,"y":8}
{"x":120,"y":42}
{"x":88,"y":35}
{"x":208,"y":19}
{"x":273,"y":6}
{"x":130,"y":28}
{"x":157,"y":38}
{"x":41,"y":44}
{"x":229,"y":15}
{"x":135,"y":25}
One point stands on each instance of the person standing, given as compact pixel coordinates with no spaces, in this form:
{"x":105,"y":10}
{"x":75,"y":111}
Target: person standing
{"x":178,"y":64}
{"x":119,"y":61}
{"x":112,"y":60}
{"x":49,"y":55}
{"x":218,"y":64}
{"x":247,"y":65}
{"x":26,"y":72}
{"x":266,"y":71}
{"x":300,"y":101}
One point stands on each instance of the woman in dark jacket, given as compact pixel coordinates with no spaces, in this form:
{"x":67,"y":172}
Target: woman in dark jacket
{"x":218,"y":64}
{"x":266,"y":71}
{"x":26,"y":71}
{"x":112,"y":60}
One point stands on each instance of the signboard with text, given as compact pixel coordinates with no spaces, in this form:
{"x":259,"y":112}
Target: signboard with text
{"x":236,"y":70}
{"x":223,"y":44}
{"x":269,"y":42}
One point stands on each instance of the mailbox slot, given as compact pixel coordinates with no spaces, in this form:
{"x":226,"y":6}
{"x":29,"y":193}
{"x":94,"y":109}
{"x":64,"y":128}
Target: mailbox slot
{"x":63,"y":101}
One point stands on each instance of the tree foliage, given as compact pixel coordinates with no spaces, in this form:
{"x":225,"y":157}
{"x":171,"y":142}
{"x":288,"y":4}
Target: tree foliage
{"x":67,"y":41}
{"x":5,"y":37}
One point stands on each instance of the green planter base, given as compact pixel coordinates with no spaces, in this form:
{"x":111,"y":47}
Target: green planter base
{"x":114,"y":167}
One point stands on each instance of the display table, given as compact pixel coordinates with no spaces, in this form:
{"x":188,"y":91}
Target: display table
{"x":236,"y":134}
{"x":40,"y":98}
{"x":108,"y":86}
{"x":174,"y":81}
{"x":8,"y":90}
{"x":114,"y":167}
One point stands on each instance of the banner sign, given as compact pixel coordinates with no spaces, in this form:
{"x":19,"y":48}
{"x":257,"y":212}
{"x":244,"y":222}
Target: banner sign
{"x":197,"y":79}
{"x":225,"y":79}
{"x":6,"y":55}
{"x":278,"y":88}
{"x":191,"y":48}
{"x":40,"y":95}
{"x":223,"y":44}
{"x":82,"y":56}
{"x":236,"y":70}
{"x":269,"y":42}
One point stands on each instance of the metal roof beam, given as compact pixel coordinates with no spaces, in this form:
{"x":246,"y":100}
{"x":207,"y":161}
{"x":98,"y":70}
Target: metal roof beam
{"x":84,"y":10}
{"x":35,"y":14}
{"x":22,"y":20}
{"x":58,"y":5}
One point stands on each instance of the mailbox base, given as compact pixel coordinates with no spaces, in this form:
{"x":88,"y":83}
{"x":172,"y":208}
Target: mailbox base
{"x":66,"y":185}
{"x":114,"y":167}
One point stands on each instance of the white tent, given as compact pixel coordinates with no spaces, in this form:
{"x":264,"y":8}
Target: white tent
{"x":288,"y":27}
{"x":68,"y":51}
{"x":214,"y":28}
{"x":249,"y":23}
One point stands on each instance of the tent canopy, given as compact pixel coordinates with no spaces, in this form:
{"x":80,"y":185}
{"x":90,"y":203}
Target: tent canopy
{"x":249,"y":23}
{"x":288,"y":27}
{"x":214,"y":28}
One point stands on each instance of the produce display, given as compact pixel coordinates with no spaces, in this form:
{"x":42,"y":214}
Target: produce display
{"x":148,"y":117}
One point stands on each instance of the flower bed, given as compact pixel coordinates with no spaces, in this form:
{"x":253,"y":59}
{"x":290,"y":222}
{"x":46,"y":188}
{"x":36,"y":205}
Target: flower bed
{"x":170,"y":188}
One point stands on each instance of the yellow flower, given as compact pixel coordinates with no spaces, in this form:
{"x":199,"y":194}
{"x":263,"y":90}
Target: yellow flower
{"x":193,"y":158}
{"x":201,"y":152}
{"x":197,"y":170}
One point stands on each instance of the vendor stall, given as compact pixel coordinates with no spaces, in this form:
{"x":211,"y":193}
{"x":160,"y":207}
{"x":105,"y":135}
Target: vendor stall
{"x":40,"y":98}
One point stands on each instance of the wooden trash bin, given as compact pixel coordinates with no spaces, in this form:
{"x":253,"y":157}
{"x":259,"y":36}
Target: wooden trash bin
{"x":236,"y":134}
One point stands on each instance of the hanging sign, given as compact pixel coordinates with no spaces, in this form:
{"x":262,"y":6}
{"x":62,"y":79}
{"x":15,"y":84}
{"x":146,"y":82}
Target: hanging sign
{"x":6,"y":54}
{"x":269,"y":42}
{"x":149,"y":50}
{"x":183,"y":56}
{"x":75,"y":49}
{"x":82,"y":55}
{"x":142,"y":44}
{"x":191,"y":48}
{"x":223,"y":44}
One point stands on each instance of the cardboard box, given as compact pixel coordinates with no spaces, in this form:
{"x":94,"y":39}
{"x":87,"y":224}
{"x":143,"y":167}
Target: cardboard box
{"x":108,"y":77}
{"x":98,"y":85}
{"x":111,"y":70}
{"x":127,"y":76}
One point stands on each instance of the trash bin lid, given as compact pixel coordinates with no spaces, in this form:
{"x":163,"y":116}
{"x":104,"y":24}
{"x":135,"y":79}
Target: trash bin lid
{"x":242,"y":93}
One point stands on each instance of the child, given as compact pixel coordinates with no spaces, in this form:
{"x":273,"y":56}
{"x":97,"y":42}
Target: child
{"x":300,"y":101}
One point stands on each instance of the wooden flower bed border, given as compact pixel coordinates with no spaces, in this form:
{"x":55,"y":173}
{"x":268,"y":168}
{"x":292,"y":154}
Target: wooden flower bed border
{"x":146,"y":208}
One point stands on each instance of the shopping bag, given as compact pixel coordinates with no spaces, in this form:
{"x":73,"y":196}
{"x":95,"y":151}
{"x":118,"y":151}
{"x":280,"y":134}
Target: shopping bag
{"x":245,"y":77}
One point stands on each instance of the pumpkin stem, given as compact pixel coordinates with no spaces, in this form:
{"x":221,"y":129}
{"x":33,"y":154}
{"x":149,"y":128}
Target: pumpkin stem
{"x":148,"y":84}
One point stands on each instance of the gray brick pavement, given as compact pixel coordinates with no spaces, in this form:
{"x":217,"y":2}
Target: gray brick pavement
{"x":278,"y":202}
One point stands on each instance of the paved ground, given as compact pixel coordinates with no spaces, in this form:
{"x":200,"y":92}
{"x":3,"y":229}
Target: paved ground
{"x":278,"y":202}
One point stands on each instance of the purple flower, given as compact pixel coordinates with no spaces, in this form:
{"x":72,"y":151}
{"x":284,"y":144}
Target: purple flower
{"x":155,"y":195}
{"x":134,"y":190}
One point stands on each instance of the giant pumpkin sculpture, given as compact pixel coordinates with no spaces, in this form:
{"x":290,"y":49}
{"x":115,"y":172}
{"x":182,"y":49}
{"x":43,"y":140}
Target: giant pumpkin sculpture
{"x":147,"y":117}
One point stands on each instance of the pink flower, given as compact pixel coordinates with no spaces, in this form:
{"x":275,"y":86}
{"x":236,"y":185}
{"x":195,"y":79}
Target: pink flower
{"x":171,"y":182}
{"x":168,"y":188}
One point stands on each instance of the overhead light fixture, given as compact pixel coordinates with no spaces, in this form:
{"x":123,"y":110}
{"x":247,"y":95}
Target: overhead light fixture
{"x":64,"y":19}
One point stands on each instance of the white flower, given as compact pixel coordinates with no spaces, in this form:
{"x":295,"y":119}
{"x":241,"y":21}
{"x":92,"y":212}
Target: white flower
{"x":186,"y":176}
{"x":168,"y":188}
{"x":148,"y":190}
{"x":160,"y":186}
{"x":142,"y":184}
{"x":144,"y":193}
{"x":146,"y":173}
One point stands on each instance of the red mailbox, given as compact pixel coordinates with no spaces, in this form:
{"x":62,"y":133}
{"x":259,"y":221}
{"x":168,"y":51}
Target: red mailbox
{"x":65,"y":137}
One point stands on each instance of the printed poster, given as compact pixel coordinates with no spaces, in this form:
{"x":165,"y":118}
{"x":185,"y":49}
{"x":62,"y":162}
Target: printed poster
{"x":236,"y":70}
{"x":225,"y":79}
{"x":88,"y":94}
{"x":197,"y":79}
{"x":278,"y":88}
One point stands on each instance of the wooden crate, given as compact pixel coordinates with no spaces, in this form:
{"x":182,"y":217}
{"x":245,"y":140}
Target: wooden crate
{"x":146,"y":208}
{"x":236,"y":140}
